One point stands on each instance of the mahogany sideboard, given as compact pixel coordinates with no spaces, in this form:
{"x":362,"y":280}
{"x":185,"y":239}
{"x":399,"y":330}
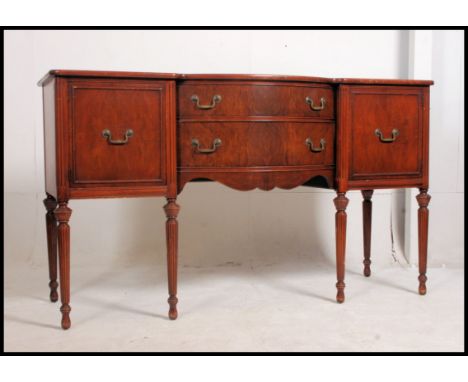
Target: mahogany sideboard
{"x":124,"y":134}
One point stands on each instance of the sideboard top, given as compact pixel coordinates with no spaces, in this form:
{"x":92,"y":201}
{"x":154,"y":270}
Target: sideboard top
{"x":244,"y":77}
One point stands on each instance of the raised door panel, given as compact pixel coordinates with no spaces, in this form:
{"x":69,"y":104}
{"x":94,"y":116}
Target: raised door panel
{"x":118,"y":133}
{"x":386,"y":133}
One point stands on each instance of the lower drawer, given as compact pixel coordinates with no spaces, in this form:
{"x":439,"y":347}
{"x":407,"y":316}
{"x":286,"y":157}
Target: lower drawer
{"x":249,"y":144}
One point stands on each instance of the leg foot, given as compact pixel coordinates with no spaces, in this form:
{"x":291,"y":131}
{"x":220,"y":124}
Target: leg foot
{"x":367,"y":271}
{"x":340,"y":297}
{"x":423,"y":199}
{"x":65,"y":309}
{"x":53,"y":285}
{"x":172,"y":300}
{"x":367,"y":224}
{"x":51,"y":225}
{"x":172,"y":210}
{"x":422,"y":284}
{"x":341,"y":202}
{"x":62,"y":214}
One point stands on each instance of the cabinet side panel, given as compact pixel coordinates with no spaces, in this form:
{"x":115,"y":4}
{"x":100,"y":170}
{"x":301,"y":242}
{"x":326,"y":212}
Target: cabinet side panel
{"x":425,"y":152}
{"x":48,"y":95}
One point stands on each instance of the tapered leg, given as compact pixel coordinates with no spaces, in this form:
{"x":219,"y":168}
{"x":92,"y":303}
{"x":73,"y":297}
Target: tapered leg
{"x":51,"y":225}
{"x":367,"y":224}
{"x":423,"y":199}
{"x":62,"y":214}
{"x":172,"y":210}
{"x":341,"y":201}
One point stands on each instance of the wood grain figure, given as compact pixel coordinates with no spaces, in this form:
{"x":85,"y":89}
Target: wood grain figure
{"x":132,"y":134}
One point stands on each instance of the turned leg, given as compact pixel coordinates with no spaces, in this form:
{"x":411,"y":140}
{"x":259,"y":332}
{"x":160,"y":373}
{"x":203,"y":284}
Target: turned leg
{"x":367,"y":223}
{"x":62,"y":214}
{"x":423,"y":199}
{"x":341,"y":201}
{"x":172,"y":210}
{"x":51,"y":225}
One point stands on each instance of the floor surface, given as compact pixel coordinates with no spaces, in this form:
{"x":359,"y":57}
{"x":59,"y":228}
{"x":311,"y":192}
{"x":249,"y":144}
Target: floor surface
{"x":233,"y":307}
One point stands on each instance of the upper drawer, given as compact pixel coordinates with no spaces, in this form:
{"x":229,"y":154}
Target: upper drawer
{"x":209,"y":99}
{"x":118,"y":132}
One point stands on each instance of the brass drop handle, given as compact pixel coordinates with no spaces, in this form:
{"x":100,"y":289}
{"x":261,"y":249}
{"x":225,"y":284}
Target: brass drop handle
{"x":316,"y":108}
{"x":216,"y":99}
{"x":108,"y":135}
{"x":395,"y":134}
{"x":196,"y":146}
{"x":311,"y":147}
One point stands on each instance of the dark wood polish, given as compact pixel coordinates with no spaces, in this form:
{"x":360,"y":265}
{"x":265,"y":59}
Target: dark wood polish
{"x":125,"y":134}
{"x":246,"y":179}
{"x":423,"y":199}
{"x":254,"y":99}
{"x":62,"y":214}
{"x":366,"y":228}
{"x":51,"y":225}
{"x":172,"y":210}
{"x":341,"y":202}
{"x":400,"y":158}
{"x":256,"y":144}
{"x":249,"y":77}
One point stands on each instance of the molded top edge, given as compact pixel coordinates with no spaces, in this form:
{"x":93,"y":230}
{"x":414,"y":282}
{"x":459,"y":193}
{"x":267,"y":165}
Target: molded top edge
{"x":249,"y":77}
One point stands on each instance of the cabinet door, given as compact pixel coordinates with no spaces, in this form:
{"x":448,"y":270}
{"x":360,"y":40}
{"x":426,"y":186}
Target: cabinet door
{"x":120,"y":133}
{"x":387,"y":134}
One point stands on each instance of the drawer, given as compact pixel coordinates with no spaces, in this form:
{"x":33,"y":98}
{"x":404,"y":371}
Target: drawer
{"x":386,"y":132}
{"x":247,"y":144}
{"x":118,"y":132}
{"x":198,"y":100}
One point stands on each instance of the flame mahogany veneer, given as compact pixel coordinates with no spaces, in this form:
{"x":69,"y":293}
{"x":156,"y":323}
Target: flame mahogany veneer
{"x":122,"y":134}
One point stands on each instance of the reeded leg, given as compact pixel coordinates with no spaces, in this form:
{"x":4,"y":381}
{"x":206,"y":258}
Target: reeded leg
{"x":423,"y":199}
{"x":62,"y":214}
{"x":172,"y":210}
{"x":51,"y":224}
{"x":341,"y":201}
{"x":367,"y":224}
